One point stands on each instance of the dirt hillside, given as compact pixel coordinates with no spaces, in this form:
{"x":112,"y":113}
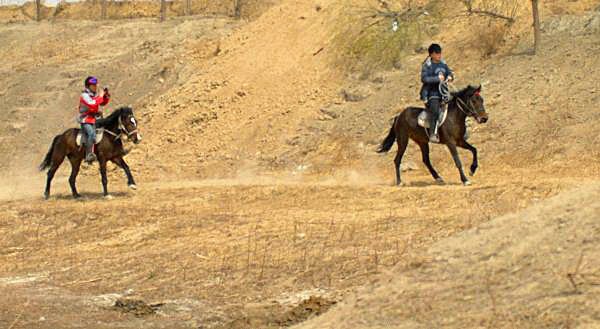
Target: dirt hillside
{"x":261,"y":202}
{"x":91,"y":10}
{"x":42,"y":75}
{"x":537,"y":268}
{"x":285,"y":108}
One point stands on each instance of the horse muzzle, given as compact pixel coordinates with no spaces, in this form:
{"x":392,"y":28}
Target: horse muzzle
{"x":137,"y":138}
{"x":481,"y":118}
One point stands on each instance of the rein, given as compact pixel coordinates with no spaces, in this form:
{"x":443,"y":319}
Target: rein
{"x":445,"y":92}
{"x":121,"y":128}
{"x":471,"y":112}
{"x":117,"y":136}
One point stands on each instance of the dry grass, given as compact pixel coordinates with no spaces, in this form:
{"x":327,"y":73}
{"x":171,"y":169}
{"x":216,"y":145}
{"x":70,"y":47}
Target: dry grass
{"x":532,"y":269}
{"x":237,"y":245}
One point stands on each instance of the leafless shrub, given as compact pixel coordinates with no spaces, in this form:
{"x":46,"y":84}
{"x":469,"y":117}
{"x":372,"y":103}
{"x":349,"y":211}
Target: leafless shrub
{"x":490,"y":40}
{"x":378,"y":34}
{"x":500,"y":9}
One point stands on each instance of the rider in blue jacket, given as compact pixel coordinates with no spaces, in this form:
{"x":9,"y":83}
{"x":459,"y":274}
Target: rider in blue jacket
{"x":434,"y":71}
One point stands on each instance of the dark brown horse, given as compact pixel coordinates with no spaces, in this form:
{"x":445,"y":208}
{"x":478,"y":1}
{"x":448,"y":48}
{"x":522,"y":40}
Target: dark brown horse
{"x":465,"y":103}
{"x":119,"y":123}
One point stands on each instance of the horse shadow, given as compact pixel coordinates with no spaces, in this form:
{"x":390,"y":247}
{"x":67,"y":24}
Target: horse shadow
{"x":432,"y":183}
{"x":90,"y":196}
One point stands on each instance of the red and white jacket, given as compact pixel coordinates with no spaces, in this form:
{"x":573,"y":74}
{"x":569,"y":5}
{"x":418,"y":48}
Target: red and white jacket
{"x":89,"y":106}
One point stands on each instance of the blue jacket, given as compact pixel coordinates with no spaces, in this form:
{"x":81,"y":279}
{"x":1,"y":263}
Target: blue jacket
{"x":430,"y":78}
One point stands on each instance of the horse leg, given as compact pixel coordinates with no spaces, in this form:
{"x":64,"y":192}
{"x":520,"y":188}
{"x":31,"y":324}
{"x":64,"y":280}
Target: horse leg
{"x":56,"y":162}
{"x":402,"y":141}
{"x":473,"y":150}
{"x":456,"y":158}
{"x":75,"y":165}
{"x":121,"y":163}
{"x":425,"y":153}
{"x":103,"y":175}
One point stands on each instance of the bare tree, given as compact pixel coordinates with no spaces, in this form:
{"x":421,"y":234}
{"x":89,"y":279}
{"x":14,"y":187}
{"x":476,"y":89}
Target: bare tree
{"x":38,"y":10}
{"x":188,"y":7}
{"x":536,"y":25}
{"x":506,"y":11}
{"x":163,"y":10}
{"x":237,"y":7}
{"x":103,"y":9}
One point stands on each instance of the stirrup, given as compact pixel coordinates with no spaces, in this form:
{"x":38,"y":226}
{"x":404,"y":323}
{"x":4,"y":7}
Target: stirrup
{"x":434,"y":137}
{"x":90,"y":157}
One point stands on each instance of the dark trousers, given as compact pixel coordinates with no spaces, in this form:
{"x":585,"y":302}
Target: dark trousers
{"x":433,"y":106}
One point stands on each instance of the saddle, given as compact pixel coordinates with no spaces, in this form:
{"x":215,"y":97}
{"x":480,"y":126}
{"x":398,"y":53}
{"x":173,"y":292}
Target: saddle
{"x":99,"y":135}
{"x":423,"y":118}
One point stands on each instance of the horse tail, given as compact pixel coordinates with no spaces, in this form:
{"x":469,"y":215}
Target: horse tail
{"x":388,"y":142}
{"x":48,"y":159}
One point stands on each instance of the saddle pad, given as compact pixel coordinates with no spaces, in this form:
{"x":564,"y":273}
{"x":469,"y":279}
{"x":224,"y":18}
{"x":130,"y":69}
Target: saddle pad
{"x":423,"y":118}
{"x":99,"y":135}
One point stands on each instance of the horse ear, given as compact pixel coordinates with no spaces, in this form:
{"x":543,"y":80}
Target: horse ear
{"x":470,"y":90}
{"x":478,"y":89}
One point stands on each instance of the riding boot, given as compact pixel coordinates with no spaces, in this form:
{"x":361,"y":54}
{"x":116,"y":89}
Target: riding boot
{"x":434,"y":109}
{"x":433,"y":135}
{"x":433,"y":124}
{"x":89,"y":154}
{"x":89,"y":132}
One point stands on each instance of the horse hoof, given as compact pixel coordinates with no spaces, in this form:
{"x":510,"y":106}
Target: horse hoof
{"x":76,"y":196}
{"x":46,"y":196}
{"x":440,"y":181}
{"x":472,"y":172}
{"x":133,"y":187}
{"x":467,"y":183}
{"x":108,"y":197}
{"x":400,"y":184}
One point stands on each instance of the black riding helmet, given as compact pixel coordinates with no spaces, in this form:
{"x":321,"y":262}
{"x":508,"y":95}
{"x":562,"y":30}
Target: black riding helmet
{"x":435,"y":48}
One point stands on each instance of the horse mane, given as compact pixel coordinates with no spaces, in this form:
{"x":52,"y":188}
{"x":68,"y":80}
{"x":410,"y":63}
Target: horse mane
{"x":112,"y":119}
{"x":465,"y":92}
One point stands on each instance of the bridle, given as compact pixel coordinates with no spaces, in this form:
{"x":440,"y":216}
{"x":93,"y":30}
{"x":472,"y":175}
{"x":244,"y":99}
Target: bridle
{"x":121,"y":128}
{"x":444,"y":89}
{"x":470,"y":111}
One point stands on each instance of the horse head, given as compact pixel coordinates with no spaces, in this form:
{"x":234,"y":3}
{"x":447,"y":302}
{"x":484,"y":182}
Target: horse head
{"x":472,"y":103}
{"x":128,"y":124}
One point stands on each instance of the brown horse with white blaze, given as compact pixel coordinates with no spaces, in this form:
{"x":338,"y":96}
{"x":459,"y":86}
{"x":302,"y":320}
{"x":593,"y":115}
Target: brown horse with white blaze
{"x":464,"y":103}
{"x":120,"y":123}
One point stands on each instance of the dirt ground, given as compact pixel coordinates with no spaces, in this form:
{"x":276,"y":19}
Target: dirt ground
{"x":224,"y":245}
{"x":261,"y":201}
{"x":534,"y":269}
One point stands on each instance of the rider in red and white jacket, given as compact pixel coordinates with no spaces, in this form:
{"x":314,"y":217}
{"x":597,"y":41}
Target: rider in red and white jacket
{"x":89,"y":109}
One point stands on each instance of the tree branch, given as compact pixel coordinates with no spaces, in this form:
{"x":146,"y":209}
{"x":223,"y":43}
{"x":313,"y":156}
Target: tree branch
{"x":490,"y":14}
